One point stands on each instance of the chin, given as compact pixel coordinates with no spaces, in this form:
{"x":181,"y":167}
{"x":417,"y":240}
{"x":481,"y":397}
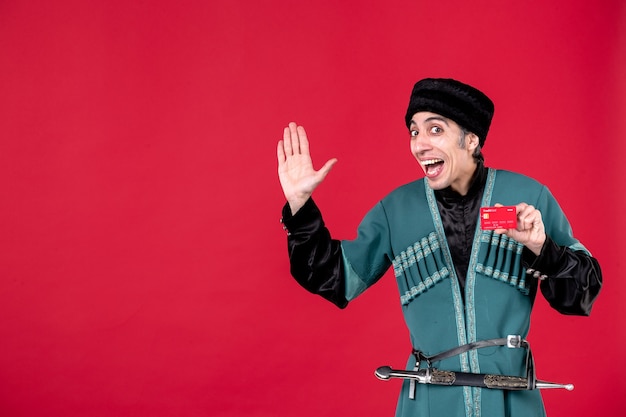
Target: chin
{"x":436,"y":185}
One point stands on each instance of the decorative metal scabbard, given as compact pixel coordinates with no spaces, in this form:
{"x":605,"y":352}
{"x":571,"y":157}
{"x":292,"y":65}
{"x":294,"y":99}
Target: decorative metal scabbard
{"x":438,"y":377}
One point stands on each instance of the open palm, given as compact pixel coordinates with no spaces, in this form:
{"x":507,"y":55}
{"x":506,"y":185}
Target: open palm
{"x":297,"y":176}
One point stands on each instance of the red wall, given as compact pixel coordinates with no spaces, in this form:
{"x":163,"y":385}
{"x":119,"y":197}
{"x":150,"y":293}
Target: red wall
{"x":143,"y":270}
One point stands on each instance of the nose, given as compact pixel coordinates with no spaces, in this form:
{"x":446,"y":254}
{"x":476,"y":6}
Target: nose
{"x":420,"y":143}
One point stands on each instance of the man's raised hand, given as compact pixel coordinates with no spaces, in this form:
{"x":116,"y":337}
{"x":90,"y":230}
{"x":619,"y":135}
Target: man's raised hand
{"x":297,"y":176}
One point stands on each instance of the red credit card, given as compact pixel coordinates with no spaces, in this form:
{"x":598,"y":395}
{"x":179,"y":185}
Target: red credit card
{"x":504,"y":217}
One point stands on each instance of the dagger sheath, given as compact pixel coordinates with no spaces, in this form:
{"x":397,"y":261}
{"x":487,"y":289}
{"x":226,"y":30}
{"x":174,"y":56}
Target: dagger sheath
{"x":450,"y":378}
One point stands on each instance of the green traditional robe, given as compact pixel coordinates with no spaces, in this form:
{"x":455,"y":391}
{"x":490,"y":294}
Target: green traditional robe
{"x":405,"y":231}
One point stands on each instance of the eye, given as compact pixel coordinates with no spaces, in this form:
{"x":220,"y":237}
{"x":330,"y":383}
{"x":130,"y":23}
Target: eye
{"x":436,"y":130}
{"x":414,"y":133}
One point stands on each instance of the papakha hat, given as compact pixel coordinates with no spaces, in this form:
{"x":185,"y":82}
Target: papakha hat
{"x":462,"y":103}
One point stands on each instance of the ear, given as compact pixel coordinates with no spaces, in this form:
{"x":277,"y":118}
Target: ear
{"x":472,"y":141}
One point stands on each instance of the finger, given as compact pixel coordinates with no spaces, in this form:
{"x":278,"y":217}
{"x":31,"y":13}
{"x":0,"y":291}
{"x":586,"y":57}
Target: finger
{"x":326,"y":168}
{"x":529,"y":217}
{"x":287,"y":142}
{"x":522,"y":221}
{"x":521,"y":210}
{"x":295,"y":140}
{"x":535,"y":218}
{"x":538,"y":219}
{"x":528,"y":223}
{"x":280,"y":152}
{"x":304,"y":140}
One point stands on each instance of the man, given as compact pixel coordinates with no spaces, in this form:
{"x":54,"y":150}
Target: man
{"x":463,"y":290}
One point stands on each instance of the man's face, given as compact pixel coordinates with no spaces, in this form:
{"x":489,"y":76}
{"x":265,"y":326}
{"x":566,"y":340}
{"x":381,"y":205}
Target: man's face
{"x":443,"y":151}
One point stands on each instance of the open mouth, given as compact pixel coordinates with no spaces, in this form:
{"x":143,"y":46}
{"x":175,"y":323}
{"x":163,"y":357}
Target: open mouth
{"x":432,"y":167}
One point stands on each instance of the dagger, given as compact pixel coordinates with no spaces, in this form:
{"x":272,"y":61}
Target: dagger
{"x":439,"y":377}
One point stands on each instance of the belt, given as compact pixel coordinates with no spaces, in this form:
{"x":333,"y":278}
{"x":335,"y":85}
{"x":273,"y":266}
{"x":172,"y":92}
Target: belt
{"x":431,"y":375}
{"x":511,"y":341}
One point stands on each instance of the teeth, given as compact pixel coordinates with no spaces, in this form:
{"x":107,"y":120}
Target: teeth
{"x":431,"y":162}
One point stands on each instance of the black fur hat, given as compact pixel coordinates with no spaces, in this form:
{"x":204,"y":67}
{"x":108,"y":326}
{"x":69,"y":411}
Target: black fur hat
{"x":467,"y":106}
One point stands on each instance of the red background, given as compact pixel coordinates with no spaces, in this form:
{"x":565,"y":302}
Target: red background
{"x":143,"y":270}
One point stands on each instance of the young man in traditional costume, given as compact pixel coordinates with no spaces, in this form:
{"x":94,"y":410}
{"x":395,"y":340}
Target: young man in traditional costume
{"x":466,"y":293}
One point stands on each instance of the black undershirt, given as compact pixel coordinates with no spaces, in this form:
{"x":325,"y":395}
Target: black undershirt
{"x":459,"y":214}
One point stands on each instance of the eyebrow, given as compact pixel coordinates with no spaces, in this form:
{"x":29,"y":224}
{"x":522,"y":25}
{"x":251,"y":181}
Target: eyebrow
{"x":442,"y":119}
{"x":433,"y":118}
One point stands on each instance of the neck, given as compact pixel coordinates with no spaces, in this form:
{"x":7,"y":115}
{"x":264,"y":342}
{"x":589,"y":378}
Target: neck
{"x":463,"y":186}
{"x":474,"y":181}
